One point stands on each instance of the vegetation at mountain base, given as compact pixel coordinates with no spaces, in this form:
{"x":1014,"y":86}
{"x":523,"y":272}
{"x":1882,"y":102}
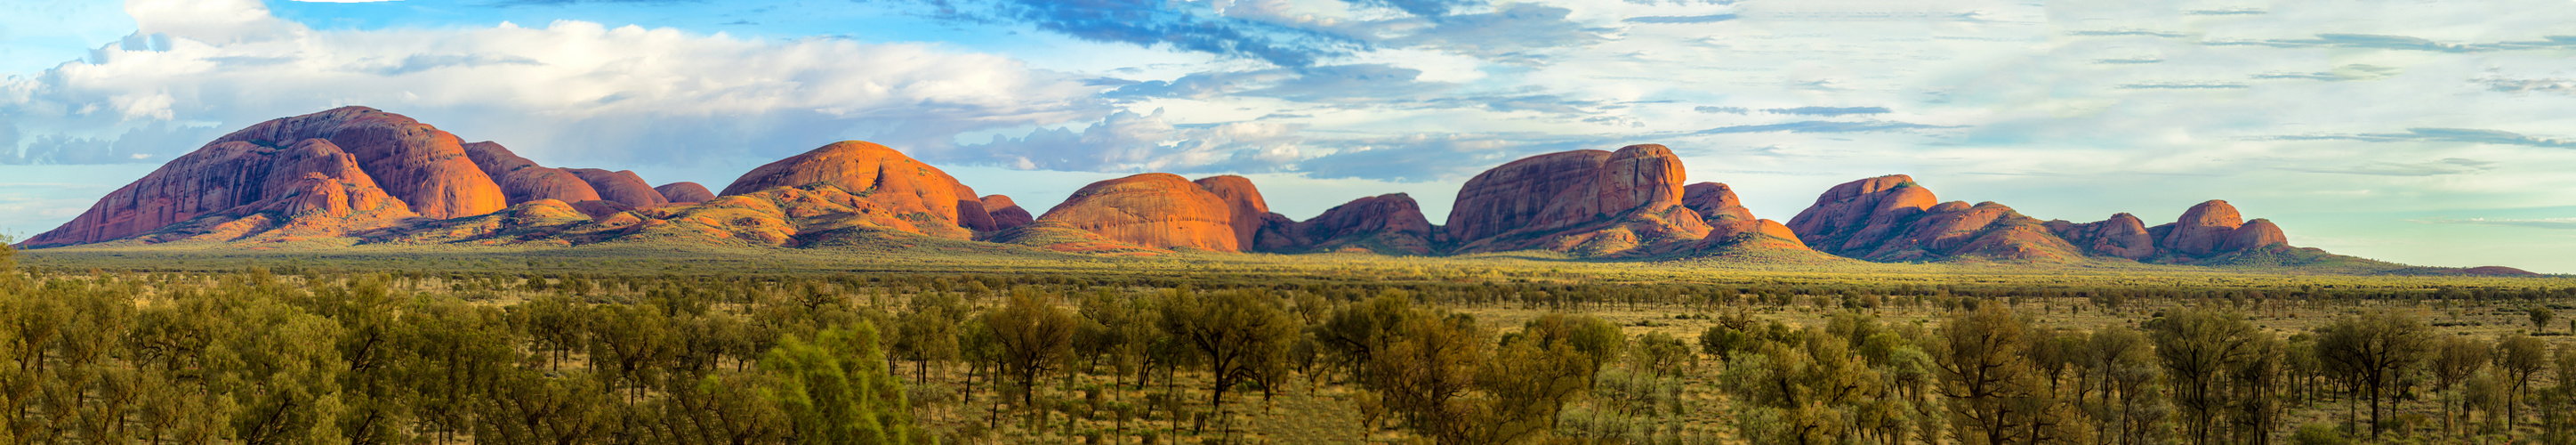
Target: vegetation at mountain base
{"x":604,"y":346}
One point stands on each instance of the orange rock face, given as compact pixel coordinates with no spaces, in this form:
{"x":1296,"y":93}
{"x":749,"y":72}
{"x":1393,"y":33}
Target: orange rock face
{"x":2203,"y":230}
{"x":622,"y":186}
{"x":1715,"y":202}
{"x":1890,"y":218}
{"x":1852,"y":218}
{"x":1004,"y":213}
{"x":424,"y":167}
{"x":881,"y":175}
{"x":2120,"y":236}
{"x":309,"y":188}
{"x":2257,"y":233}
{"x":685,"y":192}
{"x":1529,"y":199}
{"x":1243,"y":200}
{"x":1156,"y":210}
{"x":522,"y":180}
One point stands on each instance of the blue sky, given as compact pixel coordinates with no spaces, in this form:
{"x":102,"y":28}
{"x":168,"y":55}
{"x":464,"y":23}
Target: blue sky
{"x":2421,"y":132}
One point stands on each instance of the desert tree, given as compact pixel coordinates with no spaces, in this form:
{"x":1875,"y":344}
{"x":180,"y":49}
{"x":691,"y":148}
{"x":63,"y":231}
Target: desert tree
{"x":2454,"y":360}
{"x":2197,"y":347}
{"x":1986,"y":376}
{"x":1236,"y":334}
{"x":2373,"y":351}
{"x":2519,"y":357}
{"x":2540,"y":318}
{"x":1033,"y":338}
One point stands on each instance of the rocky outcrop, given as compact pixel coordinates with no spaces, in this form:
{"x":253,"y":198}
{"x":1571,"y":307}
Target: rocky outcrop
{"x":1715,"y":202}
{"x":685,"y":192}
{"x":2121,"y":236}
{"x":1154,"y":210}
{"x":2203,"y":230}
{"x":236,"y":190}
{"x":1004,"y":213}
{"x":1390,"y":224}
{"x":2254,"y":234}
{"x":1892,"y":218}
{"x":1559,"y":201}
{"x":1248,"y":210}
{"x":911,"y":189}
{"x":622,"y":186}
{"x":424,"y":167}
{"x":522,"y":180}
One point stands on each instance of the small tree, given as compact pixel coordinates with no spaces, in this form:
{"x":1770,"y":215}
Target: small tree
{"x":1034,"y":337}
{"x":2540,"y":317}
{"x":837,"y":389}
{"x":2519,"y":357}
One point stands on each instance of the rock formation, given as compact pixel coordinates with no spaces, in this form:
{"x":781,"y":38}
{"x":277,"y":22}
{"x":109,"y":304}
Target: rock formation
{"x":1004,"y":213}
{"x":1156,"y":210}
{"x":1247,"y":210}
{"x":234,"y":190}
{"x":897,"y":183}
{"x":622,"y":186}
{"x":424,"y":167}
{"x":685,"y":192}
{"x":522,"y":180}
{"x":1587,"y":201}
{"x":1387,"y":224}
{"x":2120,"y":236}
{"x":1715,"y":202}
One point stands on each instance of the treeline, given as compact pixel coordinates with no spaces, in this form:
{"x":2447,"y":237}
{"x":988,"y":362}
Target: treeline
{"x":318,"y":357}
{"x":1986,"y":375}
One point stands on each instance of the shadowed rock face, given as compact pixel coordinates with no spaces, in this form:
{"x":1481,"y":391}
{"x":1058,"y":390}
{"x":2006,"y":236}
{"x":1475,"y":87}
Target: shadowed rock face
{"x":231,"y":190}
{"x":424,"y":167}
{"x":1155,"y":210}
{"x":882,"y":175}
{"x":2120,"y":236}
{"x":685,"y":192}
{"x":622,"y":186}
{"x":1855,"y":216}
{"x":1387,"y":224}
{"x":1004,"y":213}
{"x":1248,"y":210}
{"x":522,"y":180}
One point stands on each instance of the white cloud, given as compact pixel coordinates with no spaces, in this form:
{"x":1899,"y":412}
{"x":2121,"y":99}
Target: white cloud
{"x":567,"y":90}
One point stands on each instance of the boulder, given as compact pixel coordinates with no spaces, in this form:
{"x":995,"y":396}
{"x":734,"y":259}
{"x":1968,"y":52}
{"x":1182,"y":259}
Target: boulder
{"x":522,"y":180}
{"x":426,"y":168}
{"x":685,"y":192}
{"x":1152,"y":210}
{"x":2254,"y":234}
{"x":622,"y":186}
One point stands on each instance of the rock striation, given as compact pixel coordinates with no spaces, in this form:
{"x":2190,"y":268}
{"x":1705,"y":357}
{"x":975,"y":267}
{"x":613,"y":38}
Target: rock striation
{"x":238,"y":191}
{"x":421,"y":165}
{"x":685,"y":192}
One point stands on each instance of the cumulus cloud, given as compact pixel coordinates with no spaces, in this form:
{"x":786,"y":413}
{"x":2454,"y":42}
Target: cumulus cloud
{"x":1132,"y":142}
{"x":566,"y":90}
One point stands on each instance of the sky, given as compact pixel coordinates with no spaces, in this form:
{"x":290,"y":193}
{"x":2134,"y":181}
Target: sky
{"x":2432,"y":133}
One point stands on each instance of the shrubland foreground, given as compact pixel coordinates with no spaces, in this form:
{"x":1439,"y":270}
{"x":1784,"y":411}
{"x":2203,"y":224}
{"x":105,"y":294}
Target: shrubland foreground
{"x":942,"y":344}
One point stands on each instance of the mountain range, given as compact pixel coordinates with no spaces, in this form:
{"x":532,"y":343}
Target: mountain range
{"x":357,"y":175}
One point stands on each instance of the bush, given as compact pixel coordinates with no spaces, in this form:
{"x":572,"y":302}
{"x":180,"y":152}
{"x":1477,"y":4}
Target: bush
{"x":2318,"y":434}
